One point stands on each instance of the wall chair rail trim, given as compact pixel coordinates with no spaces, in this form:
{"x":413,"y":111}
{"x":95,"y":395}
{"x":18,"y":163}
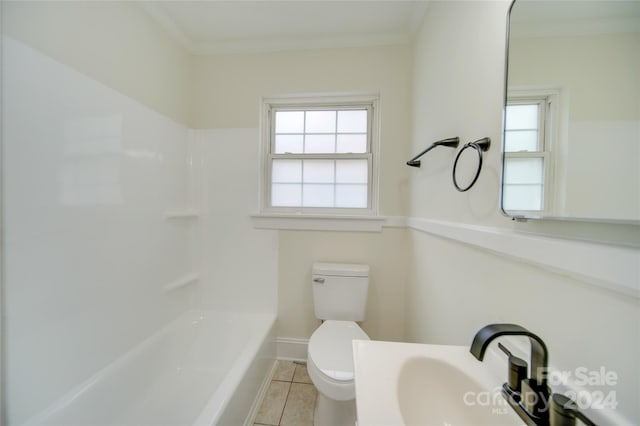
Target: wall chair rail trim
{"x":611,"y":267}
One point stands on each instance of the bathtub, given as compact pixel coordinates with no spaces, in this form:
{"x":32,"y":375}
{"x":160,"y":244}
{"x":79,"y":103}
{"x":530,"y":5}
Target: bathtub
{"x":204,"y":368}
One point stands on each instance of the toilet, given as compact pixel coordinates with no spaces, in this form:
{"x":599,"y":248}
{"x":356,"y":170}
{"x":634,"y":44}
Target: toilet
{"x":339,"y":299}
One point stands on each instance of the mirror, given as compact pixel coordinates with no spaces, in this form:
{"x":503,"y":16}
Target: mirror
{"x":571,"y":141}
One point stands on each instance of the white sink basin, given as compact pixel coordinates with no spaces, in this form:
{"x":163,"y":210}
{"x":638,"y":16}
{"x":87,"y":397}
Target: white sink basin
{"x":414,"y":384}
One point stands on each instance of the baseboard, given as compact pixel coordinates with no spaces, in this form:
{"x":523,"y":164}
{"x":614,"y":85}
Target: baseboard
{"x":287,"y":349}
{"x":291,"y":349}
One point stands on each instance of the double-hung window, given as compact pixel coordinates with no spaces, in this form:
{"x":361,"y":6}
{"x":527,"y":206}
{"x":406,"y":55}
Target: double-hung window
{"x":319,"y":156}
{"x":527,"y":157}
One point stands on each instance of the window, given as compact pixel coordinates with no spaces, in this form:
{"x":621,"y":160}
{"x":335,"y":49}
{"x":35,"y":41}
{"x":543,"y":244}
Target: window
{"x":527,"y":157}
{"x":319,"y":156}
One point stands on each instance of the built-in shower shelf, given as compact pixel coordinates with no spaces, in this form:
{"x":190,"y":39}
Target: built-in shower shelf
{"x":182,"y":282}
{"x":182,"y":214}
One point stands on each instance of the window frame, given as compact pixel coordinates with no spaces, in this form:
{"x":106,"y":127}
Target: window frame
{"x":270,"y":105}
{"x":548,"y":101}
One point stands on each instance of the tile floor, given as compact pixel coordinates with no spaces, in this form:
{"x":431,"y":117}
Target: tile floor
{"x":290,"y":399}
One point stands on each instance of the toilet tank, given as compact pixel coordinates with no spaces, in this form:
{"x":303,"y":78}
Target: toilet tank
{"x":340,"y":291}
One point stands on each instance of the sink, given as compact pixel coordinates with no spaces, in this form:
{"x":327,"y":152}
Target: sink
{"x":431,"y":391}
{"x":415,"y":384}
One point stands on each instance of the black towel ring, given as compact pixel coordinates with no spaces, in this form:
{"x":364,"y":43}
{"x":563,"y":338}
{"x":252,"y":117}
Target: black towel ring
{"x":479,"y":145}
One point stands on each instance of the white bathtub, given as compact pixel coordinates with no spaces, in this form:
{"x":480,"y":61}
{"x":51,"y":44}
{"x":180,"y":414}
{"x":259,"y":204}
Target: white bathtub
{"x":204,"y":368}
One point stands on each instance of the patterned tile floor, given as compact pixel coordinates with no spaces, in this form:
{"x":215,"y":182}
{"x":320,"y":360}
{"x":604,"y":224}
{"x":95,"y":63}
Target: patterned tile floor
{"x":290,"y":399}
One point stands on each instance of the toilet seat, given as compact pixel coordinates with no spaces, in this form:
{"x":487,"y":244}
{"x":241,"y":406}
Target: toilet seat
{"x":330,"y":358}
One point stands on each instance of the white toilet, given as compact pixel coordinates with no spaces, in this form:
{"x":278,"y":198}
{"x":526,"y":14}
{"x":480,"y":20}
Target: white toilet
{"x":339,"y":298}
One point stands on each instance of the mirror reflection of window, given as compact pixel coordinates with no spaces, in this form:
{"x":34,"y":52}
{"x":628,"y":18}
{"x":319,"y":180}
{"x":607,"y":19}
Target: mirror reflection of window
{"x":527,"y":150}
{"x":588,"y":52}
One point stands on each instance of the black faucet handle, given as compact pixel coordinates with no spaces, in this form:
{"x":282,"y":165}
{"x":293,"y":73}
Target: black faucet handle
{"x":517,"y":370}
{"x":504,"y":349}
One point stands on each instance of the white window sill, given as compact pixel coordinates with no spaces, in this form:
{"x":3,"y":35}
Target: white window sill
{"x":318,"y":222}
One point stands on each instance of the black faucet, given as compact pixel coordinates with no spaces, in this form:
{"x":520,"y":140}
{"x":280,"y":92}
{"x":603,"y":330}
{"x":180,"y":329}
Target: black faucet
{"x":564,"y":412}
{"x":533,"y":403}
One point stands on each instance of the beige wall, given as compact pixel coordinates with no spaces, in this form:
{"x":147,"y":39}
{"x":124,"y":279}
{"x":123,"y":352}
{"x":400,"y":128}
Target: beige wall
{"x":458,"y":91}
{"x":453,"y":289}
{"x":114,"y":42}
{"x":386,"y":253}
{"x":228,"y":89}
{"x":597,"y":90}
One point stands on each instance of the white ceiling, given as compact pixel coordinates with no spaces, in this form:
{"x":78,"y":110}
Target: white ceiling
{"x":216,"y":26}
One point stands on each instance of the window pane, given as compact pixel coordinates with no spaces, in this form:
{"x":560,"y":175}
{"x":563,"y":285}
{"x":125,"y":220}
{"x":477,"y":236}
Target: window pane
{"x":354,"y":196}
{"x":523,"y":140}
{"x":352,"y":171}
{"x":352,"y":143}
{"x":286,"y":195}
{"x":305,"y":179}
{"x":522,"y":197}
{"x":522,"y":117}
{"x":319,"y":171}
{"x":318,"y":195}
{"x":288,"y":143}
{"x":352,"y":121}
{"x":320,"y":122}
{"x":286,"y":171}
{"x":319,"y":144}
{"x":289,"y":121}
{"x":524,"y":170}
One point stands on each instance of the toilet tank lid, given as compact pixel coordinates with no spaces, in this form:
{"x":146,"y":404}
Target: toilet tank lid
{"x":340,"y":269}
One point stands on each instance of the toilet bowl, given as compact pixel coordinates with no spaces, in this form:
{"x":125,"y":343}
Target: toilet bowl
{"x":330,"y":366}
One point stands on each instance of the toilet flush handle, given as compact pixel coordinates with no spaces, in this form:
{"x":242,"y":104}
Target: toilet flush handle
{"x":318,"y":280}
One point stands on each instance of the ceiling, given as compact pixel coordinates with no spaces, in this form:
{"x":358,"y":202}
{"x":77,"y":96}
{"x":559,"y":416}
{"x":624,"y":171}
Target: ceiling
{"x":218,"y":26}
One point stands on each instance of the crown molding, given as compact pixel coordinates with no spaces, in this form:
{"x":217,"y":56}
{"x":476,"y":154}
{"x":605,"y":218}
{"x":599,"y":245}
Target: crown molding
{"x":257,"y":45}
{"x":160,"y":15}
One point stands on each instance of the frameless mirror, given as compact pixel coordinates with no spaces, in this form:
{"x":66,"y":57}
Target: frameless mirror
{"x":571,"y":142}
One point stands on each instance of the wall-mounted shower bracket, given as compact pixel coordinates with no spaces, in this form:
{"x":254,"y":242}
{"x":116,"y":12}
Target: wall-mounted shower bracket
{"x":449,"y":142}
